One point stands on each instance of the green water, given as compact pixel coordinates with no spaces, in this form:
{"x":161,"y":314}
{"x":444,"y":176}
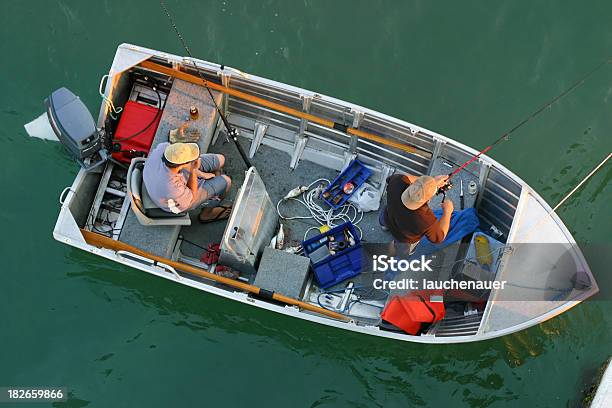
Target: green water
{"x":470,"y":70}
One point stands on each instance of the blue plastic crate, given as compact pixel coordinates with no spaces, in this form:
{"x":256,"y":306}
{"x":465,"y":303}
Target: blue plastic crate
{"x":356,"y":173}
{"x":344,"y":264}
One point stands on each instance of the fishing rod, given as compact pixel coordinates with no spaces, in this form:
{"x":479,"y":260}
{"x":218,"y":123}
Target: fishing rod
{"x":232,"y":133}
{"x":535,"y":113}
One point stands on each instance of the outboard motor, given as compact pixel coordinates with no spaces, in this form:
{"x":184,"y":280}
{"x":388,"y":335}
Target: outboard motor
{"x":75,"y":128}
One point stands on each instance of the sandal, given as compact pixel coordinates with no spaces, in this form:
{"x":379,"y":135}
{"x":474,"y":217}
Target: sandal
{"x":212,"y":214}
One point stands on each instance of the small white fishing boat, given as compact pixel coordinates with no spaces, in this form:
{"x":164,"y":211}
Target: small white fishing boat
{"x":293,"y":137}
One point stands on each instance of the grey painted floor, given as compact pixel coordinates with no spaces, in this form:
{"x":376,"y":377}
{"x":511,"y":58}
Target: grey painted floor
{"x":273,"y":167}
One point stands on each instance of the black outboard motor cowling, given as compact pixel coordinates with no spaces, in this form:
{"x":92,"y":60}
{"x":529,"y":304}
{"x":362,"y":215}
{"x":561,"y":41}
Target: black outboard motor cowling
{"x":75,"y":128}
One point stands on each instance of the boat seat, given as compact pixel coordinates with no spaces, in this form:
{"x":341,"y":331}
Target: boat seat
{"x":145,"y":209}
{"x":155,"y":235}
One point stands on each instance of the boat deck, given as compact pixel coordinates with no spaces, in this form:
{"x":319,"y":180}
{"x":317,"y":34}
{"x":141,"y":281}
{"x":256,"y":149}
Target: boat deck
{"x":273,"y":167}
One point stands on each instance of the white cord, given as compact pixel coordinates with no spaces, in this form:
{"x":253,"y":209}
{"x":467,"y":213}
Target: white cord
{"x":528,"y":233}
{"x":580,"y":184}
{"x":109,"y":104}
{"x":310,"y":200}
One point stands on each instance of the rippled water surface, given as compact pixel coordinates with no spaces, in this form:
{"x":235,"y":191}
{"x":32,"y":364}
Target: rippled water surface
{"x":470,"y":70}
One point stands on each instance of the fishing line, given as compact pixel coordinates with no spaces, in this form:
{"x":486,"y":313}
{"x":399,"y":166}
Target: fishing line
{"x":231,"y":131}
{"x":535,"y":113}
{"x":528,"y":233}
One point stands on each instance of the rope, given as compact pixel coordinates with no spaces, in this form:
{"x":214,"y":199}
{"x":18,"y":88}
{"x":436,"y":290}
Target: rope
{"x":528,"y":233}
{"x":113,"y":111}
{"x":310,"y":199}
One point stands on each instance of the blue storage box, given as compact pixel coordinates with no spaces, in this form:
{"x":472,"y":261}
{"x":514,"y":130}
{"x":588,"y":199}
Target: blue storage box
{"x":342,"y":265}
{"x":356,"y":173}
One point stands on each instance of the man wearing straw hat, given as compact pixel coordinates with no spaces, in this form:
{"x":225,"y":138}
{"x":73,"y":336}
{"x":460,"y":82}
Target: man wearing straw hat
{"x":407,"y":215}
{"x":179,"y":179}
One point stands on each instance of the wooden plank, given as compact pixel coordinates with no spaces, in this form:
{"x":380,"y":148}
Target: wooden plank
{"x":280,"y":108}
{"x":102,"y":241}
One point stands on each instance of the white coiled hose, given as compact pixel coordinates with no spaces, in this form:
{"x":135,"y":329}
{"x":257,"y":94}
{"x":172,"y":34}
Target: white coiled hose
{"x":310,"y":199}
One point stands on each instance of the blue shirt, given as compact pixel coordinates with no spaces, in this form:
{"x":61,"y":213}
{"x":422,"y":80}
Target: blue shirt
{"x":166,"y":188}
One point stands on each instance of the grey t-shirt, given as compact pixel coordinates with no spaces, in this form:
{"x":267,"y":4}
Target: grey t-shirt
{"x":167,"y":189}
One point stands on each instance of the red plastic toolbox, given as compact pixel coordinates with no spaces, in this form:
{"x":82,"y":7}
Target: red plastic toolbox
{"x":134,"y":118}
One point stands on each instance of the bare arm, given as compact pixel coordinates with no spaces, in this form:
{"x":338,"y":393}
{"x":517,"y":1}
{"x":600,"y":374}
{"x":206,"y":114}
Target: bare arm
{"x":439,"y":230}
{"x":204,"y":175}
{"x":192,"y":182}
{"x":445,"y":223}
{"x":447,"y":208}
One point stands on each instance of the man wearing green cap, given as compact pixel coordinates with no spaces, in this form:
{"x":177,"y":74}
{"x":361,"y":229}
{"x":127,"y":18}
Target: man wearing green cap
{"x":179,"y":179}
{"x":407,"y":215}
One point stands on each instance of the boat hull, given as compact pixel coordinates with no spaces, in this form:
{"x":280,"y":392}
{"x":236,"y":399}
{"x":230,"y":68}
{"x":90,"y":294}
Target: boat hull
{"x":333,"y":150}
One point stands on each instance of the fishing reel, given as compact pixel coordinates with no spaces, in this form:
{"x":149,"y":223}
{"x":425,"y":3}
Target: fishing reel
{"x":442,"y":190}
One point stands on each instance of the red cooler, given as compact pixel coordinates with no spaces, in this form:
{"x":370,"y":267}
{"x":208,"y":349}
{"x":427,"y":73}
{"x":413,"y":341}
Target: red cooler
{"x":134,"y":118}
{"x":411,"y":311}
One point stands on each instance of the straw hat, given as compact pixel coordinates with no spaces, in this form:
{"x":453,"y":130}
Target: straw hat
{"x":419,"y":192}
{"x":181,"y":153}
